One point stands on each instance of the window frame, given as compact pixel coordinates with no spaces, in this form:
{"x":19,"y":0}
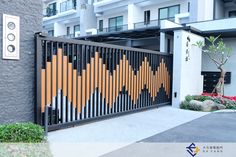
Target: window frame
{"x":75,"y":27}
{"x":147,"y":17}
{"x":168,"y":12}
{"x":116,"y":27}
{"x":100,"y":25}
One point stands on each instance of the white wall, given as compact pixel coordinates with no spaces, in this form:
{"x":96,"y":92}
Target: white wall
{"x":135,"y":15}
{"x":208,"y":65}
{"x":222,"y":24}
{"x":187,"y":78}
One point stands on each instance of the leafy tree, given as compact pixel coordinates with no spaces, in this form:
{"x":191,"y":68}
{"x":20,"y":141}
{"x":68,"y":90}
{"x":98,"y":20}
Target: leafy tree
{"x":219,"y":53}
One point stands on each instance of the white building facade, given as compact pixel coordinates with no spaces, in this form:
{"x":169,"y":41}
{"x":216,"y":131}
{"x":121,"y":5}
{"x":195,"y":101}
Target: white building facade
{"x":173,"y":22}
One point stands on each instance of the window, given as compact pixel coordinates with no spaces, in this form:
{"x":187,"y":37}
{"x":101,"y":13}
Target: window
{"x":76,"y":30}
{"x":188,"y":6}
{"x":116,"y":23}
{"x":100,"y":27}
{"x":169,"y":12}
{"x":67,"y":5}
{"x":232,"y":13}
{"x":67,"y":31}
{"x":52,"y":9}
{"x":147,"y":17}
{"x":51,"y":33}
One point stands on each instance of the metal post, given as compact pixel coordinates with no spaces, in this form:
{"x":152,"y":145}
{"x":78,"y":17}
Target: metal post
{"x":46,"y":120}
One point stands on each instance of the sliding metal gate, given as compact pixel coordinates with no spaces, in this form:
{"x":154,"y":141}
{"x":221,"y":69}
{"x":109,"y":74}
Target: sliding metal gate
{"x":81,"y":80}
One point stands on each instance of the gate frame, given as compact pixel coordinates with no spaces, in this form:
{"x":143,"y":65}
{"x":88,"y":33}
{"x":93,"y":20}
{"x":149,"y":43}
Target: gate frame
{"x":38,"y":114}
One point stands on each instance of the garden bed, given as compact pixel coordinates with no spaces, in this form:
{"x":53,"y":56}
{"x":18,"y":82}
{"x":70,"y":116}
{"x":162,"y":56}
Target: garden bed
{"x":208,"y":102}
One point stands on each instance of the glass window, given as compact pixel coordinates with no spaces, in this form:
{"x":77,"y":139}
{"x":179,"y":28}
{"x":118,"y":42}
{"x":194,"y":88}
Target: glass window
{"x":67,"y":30}
{"x":169,"y":12}
{"x":173,"y":10}
{"x":100,"y":25}
{"x":76,"y":30}
{"x":51,"y":33}
{"x":163,"y":13}
{"x":116,"y":23}
{"x":147,"y":17}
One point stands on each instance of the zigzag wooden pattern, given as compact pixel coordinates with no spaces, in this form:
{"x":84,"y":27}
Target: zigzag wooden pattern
{"x":59,"y":74}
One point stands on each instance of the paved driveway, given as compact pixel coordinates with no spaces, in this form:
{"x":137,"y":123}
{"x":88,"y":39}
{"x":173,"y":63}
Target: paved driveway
{"x":101,"y":137}
{"x":215,"y":127}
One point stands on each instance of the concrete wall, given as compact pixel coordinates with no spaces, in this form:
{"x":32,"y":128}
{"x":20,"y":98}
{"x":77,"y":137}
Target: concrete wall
{"x":17,"y":78}
{"x":187,"y":78}
{"x":208,"y":65}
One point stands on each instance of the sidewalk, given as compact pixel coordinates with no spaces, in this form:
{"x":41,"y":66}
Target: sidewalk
{"x":102,"y":137}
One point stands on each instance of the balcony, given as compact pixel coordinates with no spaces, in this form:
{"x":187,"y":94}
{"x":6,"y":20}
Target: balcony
{"x":113,"y":29}
{"x":49,"y":12}
{"x":67,"y":5}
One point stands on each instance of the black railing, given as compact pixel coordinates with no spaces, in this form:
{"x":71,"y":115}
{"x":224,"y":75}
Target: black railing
{"x":151,"y":23}
{"x":113,"y":29}
{"x":49,"y":12}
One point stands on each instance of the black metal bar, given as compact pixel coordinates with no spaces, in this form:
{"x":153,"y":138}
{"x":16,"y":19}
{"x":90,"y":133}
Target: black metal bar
{"x":38,"y":50}
{"x":56,"y":99}
{"x":105,"y":117}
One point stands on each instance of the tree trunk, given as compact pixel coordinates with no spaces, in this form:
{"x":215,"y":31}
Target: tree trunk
{"x":219,"y":88}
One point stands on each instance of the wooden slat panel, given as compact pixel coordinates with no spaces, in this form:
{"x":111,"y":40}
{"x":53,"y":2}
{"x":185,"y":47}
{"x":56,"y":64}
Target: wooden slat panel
{"x":92,"y":76}
{"x":127,"y":74}
{"x":70,"y":82}
{"x":104,"y":81}
{"x":43,"y":90}
{"x":114,"y":86}
{"x":74,"y":87}
{"x":110,"y":91}
{"x":83,"y":88}
{"x":107,"y":86}
{"x":100,"y":76}
{"x":88,"y":78}
{"x":49,"y":81}
{"x":54,"y":75}
{"x":96,"y":69}
{"x":132,"y":85}
{"x":79,"y":94}
{"x":121,"y":74}
{"x":59,"y":64}
{"x":117,"y":80}
{"x":65,"y":60}
{"x":135,"y":88}
{"x":130,"y":79}
{"x":124,"y":60}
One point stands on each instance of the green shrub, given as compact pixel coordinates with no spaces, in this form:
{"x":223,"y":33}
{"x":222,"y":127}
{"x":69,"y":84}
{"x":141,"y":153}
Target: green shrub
{"x":201,"y":98}
{"x":189,"y":98}
{"x":21,"y":132}
{"x":184,"y":105}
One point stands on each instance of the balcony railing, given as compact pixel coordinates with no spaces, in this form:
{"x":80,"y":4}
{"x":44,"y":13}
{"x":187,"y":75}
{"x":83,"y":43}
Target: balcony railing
{"x":151,"y":23}
{"x":49,"y":12}
{"x":113,"y":29}
{"x":67,"y":5}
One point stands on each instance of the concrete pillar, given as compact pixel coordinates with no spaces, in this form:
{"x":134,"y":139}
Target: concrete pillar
{"x":59,"y":29}
{"x":187,"y":78}
{"x":162,"y":42}
{"x":135,"y":15}
{"x":87,"y":17}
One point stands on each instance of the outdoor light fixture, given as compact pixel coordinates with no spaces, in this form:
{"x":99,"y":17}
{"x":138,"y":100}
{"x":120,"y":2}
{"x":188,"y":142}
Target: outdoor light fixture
{"x":11,"y":37}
